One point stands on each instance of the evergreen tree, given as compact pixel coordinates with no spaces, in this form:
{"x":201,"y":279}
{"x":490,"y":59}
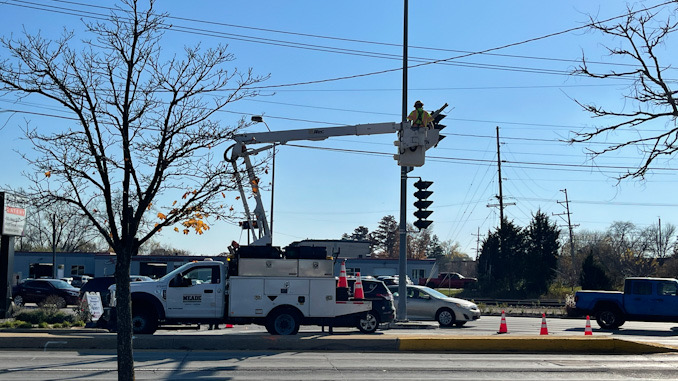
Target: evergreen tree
{"x":592,"y":276}
{"x":541,"y":257}
{"x":385,"y":237}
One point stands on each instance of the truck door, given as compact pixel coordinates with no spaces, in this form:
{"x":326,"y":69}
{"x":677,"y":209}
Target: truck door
{"x":196,"y":293}
{"x":666,"y":300}
{"x":638,"y":299}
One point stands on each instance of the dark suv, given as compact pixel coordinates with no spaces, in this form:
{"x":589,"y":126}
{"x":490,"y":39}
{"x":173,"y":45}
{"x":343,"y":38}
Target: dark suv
{"x":100,"y":285}
{"x":45,"y":291}
{"x":381,"y":298}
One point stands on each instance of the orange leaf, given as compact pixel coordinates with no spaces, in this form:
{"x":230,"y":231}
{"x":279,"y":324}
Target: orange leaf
{"x":161,"y":216}
{"x":48,"y":173}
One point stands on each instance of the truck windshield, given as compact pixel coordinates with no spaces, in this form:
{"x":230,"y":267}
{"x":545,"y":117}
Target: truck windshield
{"x":174,"y":272}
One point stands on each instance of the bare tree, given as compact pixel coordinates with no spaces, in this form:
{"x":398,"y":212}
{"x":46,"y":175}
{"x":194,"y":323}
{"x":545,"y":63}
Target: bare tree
{"x":139,"y":155}
{"x":660,"y":243}
{"x":59,"y":226}
{"x":641,"y":37}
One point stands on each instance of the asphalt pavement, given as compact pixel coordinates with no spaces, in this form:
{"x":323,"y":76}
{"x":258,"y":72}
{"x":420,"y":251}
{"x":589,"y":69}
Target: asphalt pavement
{"x":523,"y":336}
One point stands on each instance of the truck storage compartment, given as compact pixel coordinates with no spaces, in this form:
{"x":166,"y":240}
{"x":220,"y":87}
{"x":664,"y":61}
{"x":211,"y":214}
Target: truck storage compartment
{"x":305,"y":252}
{"x":269,"y":252}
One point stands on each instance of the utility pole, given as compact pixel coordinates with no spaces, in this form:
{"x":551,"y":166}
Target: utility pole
{"x":477,"y":243}
{"x":500,"y":197}
{"x":659,"y":246}
{"x":54,"y":263}
{"x":402,"y":260}
{"x":569,"y":226}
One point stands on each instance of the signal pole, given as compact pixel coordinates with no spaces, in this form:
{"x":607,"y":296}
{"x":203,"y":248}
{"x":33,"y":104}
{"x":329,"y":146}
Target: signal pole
{"x":402,"y":257}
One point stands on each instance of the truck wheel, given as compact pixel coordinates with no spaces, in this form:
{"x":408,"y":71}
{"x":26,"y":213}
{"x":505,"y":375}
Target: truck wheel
{"x":283,"y":322}
{"x":368,"y":323}
{"x":144,"y":321}
{"x":609,"y":318}
{"x":445,"y":317}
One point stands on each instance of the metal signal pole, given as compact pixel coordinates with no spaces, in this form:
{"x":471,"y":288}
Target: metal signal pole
{"x":401,"y":313}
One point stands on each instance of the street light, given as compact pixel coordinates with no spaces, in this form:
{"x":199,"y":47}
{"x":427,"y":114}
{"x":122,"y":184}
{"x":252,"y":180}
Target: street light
{"x":260,"y":119}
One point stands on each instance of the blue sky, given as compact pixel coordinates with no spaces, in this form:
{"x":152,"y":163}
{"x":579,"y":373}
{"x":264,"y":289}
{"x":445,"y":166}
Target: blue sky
{"x":524,"y":89}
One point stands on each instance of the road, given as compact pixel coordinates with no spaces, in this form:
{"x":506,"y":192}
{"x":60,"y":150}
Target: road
{"x":250,"y":365}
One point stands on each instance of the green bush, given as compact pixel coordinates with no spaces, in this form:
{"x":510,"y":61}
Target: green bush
{"x":49,"y":316}
{"x":16,"y":324}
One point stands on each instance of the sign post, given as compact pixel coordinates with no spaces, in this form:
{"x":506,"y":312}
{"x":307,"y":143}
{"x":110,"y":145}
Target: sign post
{"x":12,"y":223}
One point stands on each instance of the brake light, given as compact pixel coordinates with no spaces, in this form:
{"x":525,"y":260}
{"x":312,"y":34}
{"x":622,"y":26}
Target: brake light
{"x":385,"y":296}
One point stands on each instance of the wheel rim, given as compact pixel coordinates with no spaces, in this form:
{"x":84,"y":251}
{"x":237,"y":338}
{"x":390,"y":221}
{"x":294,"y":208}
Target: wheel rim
{"x":138,"y":323}
{"x":284,"y":324}
{"x":19,"y":300}
{"x":445,"y":318}
{"x":369,"y":323}
{"x":608,"y":317}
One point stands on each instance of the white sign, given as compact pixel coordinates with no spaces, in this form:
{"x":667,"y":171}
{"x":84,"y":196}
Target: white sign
{"x":94,"y":305}
{"x":13,"y":215}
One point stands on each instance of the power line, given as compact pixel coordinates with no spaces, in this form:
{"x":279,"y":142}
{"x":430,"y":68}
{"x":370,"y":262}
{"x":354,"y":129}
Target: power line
{"x":438,"y":61}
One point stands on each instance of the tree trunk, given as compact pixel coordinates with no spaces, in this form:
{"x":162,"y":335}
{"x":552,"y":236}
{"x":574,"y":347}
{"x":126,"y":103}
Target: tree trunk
{"x":124,"y":314}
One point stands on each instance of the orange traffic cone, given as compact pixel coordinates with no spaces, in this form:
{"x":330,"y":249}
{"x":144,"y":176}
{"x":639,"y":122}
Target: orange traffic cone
{"x":358,"y":288}
{"x":342,"y":276}
{"x":544,"y":329}
{"x":588,"y":331}
{"x":502,"y":325}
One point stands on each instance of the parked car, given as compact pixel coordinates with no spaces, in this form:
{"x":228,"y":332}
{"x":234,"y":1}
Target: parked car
{"x":79,"y":280}
{"x":424,"y":303}
{"x":448,"y":280}
{"x":45,"y":291}
{"x":101,"y":285}
{"x":390,"y":280}
{"x":381,"y":297}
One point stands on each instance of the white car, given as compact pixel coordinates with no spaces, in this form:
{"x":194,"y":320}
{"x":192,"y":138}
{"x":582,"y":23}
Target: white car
{"x":424,"y":303}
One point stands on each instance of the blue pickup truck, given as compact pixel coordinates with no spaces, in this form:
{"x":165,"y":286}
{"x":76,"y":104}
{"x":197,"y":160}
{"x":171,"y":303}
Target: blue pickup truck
{"x":643,"y":299}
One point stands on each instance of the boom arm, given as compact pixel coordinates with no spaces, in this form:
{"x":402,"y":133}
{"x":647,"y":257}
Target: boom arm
{"x":282,"y":137}
{"x":239,"y":150}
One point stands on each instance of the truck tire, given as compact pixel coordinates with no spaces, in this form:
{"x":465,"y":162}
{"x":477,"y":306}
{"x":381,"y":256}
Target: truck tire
{"x":609,"y":317}
{"x":283,"y":322}
{"x":369,"y":322}
{"x":144,"y":321}
{"x":445,"y":317}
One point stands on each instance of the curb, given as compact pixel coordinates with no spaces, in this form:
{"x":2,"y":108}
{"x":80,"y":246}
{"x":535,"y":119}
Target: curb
{"x":66,"y":340}
{"x":531,"y":344}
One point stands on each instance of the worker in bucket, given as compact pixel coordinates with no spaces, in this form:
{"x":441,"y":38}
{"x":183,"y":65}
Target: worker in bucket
{"x":419,"y":116}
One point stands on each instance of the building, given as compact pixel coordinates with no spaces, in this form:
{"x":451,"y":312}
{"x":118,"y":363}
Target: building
{"x":39,"y":264}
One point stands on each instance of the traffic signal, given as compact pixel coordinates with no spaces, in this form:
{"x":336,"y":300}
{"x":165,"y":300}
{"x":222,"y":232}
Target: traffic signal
{"x":422,"y":204}
{"x":433,"y":136}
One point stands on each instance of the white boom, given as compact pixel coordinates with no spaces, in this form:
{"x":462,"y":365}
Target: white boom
{"x":239,"y":150}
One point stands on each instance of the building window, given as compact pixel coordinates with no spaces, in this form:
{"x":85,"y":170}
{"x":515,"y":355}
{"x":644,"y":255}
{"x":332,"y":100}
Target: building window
{"x":416,"y":274}
{"x":77,"y":270}
{"x":351,"y":271}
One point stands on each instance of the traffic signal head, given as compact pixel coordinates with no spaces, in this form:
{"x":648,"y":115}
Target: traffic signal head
{"x":422,"y":204}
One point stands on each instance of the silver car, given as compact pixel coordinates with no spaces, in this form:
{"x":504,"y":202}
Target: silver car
{"x":424,"y":303}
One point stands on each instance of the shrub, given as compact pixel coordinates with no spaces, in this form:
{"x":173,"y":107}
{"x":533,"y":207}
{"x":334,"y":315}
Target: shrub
{"x":49,"y":316}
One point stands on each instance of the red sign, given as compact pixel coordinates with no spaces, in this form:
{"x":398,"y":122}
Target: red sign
{"x":18,"y":211}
